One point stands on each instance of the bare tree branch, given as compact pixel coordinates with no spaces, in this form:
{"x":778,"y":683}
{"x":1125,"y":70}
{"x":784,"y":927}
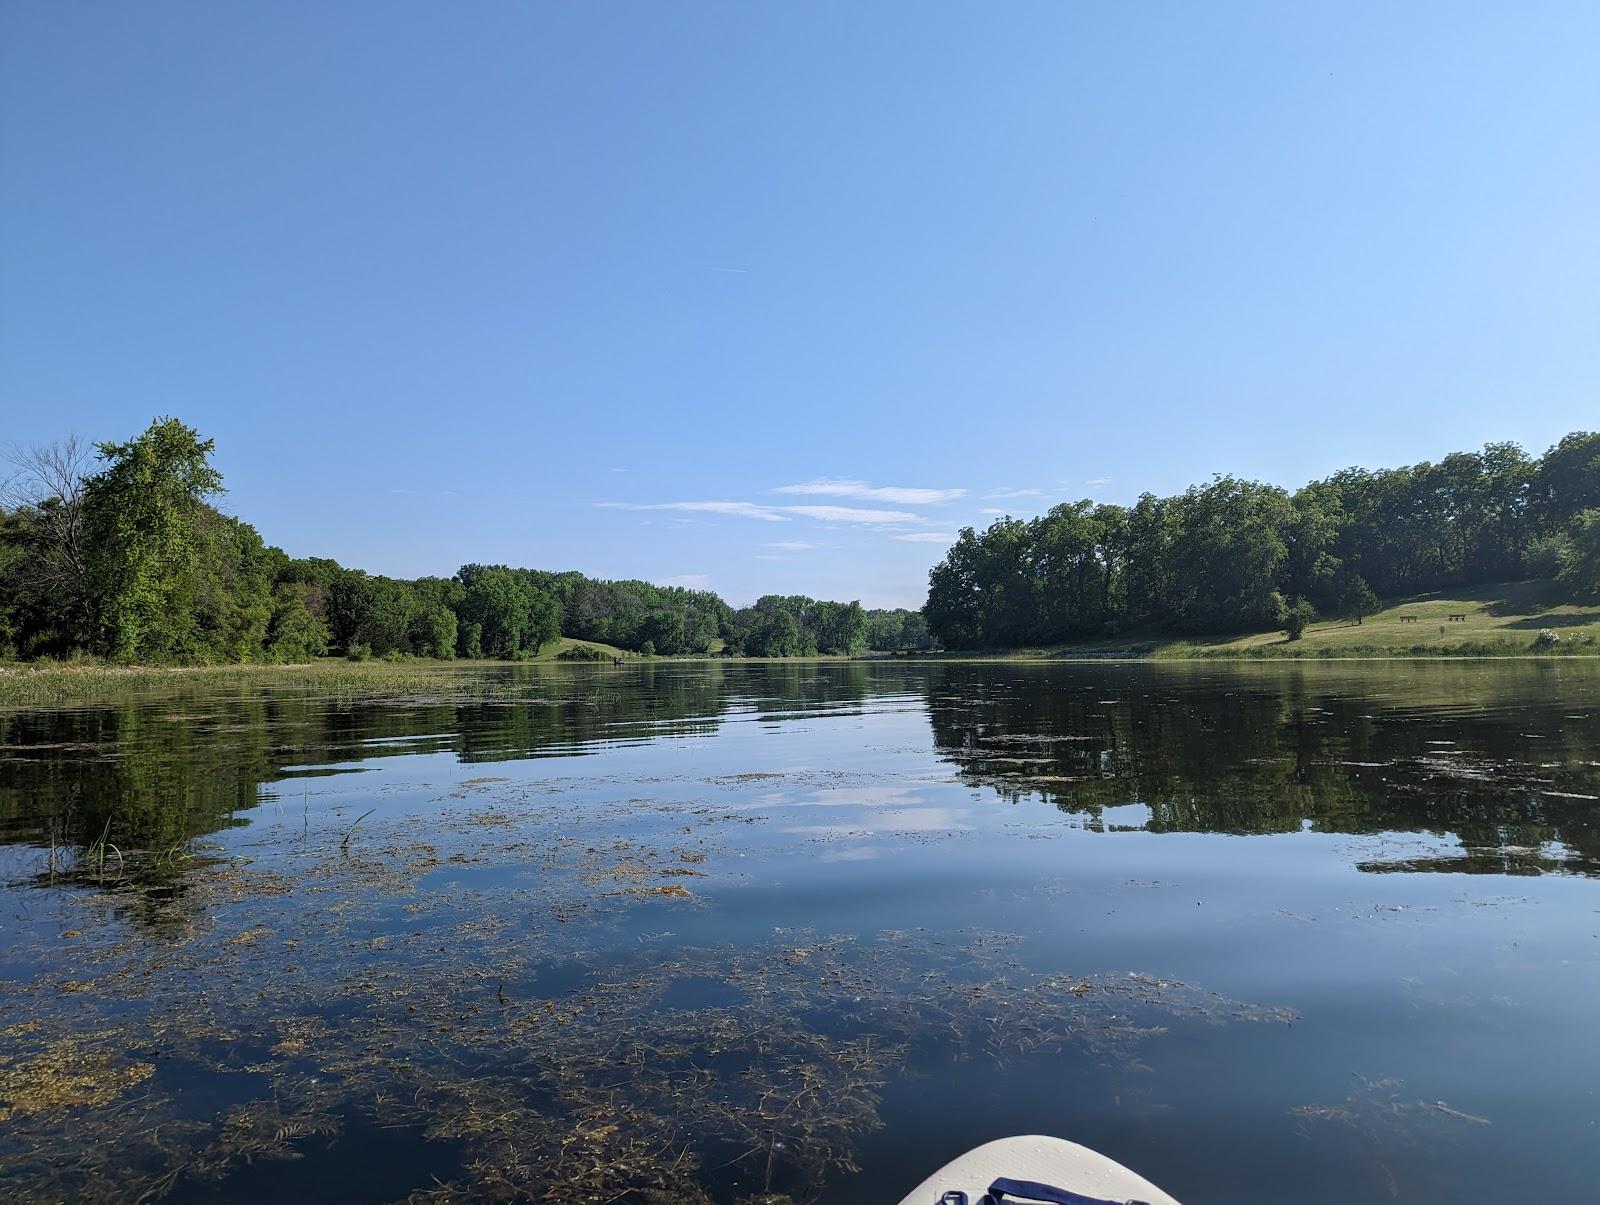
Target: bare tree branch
{"x":48,"y":483}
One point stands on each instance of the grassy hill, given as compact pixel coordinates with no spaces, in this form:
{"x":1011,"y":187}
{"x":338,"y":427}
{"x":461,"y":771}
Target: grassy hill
{"x":551,"y":648}
{"x":1501,"y":619}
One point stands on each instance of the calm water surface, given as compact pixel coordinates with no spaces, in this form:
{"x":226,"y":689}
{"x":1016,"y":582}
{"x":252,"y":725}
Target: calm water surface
{"x":697,"y":932}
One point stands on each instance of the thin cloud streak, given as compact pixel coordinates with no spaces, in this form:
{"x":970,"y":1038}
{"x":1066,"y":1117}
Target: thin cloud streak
{"x":928,"y":537}
{"x":1014,"y":494}
{"x":776,"y":514}
{"x":746,"y":510}
{"x":851,"y":514}
{"x":840,"y":487}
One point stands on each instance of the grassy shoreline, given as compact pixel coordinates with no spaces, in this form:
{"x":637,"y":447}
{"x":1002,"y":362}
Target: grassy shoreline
{"x":82,"y":682}
{"x":1498,"y":622}
{"x":77,"y":683}
{"x":1180,"y":651}
{"x":66,"y":683}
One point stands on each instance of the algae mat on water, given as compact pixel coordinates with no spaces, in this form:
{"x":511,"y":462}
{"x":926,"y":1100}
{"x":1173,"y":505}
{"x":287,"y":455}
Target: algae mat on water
{"x":322,"y":985}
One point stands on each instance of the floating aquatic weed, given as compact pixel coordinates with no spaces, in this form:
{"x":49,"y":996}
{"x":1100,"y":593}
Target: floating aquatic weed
{"x":258,"y":1131}
{"x":335,"y":986}
{"x":1379,"y":1118}
{"x":604,"y":1091}
{"x":667,"y":890}
{"x":65,"y":1074}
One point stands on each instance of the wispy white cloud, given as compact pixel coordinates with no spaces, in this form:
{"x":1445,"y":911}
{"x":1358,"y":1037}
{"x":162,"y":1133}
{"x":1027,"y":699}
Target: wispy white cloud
{"x":1014,"y":494}
{"x":928,"y":537}
{"x":792,"y":545}
{"x":840,"y":487}
{"x":992,"y":510}
{"x":852,"y":514}
{"x":1098,"y":481}
{"x":776,"y":514}
{"x":747,"y":510}
{"x":691,"y":581}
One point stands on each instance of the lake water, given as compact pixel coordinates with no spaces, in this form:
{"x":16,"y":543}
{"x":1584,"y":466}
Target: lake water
{"x":766,"y":932}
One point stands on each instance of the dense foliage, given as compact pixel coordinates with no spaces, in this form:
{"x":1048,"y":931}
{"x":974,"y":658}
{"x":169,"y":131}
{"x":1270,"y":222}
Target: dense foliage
{"x":117,"y":551}
{"x":898,"y":631}
{"x":583,"y":652}
{"x":132,"y":562}
{"x":1234,"y":555}
{"x":796,"y":626}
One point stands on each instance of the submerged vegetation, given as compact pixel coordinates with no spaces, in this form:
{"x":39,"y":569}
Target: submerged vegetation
{"x":270,"y":932}
{"x":541,"y":1042}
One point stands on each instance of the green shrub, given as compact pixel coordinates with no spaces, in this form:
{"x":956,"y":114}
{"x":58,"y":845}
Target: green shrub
{"x":1545,"y":555}
{"x":1296,"y":616}
{"x":583,"y":652}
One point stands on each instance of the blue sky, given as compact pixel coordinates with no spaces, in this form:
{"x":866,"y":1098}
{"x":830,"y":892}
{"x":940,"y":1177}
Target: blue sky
{"x":775,"y":297}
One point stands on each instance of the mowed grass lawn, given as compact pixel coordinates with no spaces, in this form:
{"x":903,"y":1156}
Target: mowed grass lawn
{"x":552,"y":648}
{"x":1501,"y":618}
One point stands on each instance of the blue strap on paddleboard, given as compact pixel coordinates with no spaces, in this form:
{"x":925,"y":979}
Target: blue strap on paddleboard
{"x":1029,"y":1190}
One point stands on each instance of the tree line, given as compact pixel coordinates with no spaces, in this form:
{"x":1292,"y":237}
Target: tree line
{"x":1235,"y":555}
{"x":116,"y":550}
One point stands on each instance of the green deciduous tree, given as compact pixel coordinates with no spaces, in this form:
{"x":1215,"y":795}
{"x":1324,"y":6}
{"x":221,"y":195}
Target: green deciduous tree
{"x":506,"y":612}
{"x":142,"y":513}
{"x":125,"y":555}
{"x":1297,"y":616}
{"x":1546,"y":554}
{"x":1580,"y":568}
{"x":1212,"y":559}
{"x":1567,"y":480}
{"x":953,"y":608}
{"x":889,"y":631}
{"x":1355,"y":598}
{"x":294,"y":633}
